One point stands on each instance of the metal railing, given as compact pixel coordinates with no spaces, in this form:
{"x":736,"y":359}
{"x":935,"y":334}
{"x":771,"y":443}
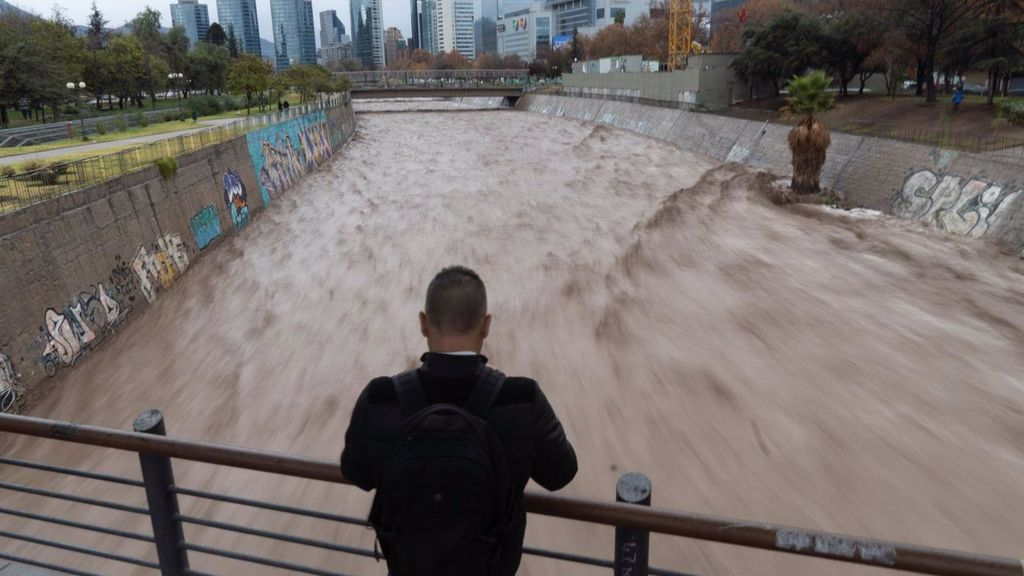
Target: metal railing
{"x":435,"y":78}
{"x":58,"y":130}
{"x":631,"y":515}
{"x":50,"y":180}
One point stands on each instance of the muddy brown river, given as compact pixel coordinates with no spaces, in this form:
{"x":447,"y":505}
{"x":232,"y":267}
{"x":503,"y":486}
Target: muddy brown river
{"x":789,"y":365}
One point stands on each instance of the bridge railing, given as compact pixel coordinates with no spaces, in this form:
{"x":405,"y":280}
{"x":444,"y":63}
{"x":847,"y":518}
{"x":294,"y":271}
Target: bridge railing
{"x":435,"y":78}
{"x":633,"y":522}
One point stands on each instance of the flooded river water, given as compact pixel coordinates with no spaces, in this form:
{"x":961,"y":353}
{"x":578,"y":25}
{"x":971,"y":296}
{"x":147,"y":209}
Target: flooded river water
{"x":788,"y":365}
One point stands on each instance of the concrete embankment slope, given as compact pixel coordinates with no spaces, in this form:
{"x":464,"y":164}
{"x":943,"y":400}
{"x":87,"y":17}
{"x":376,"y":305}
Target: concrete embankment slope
{"x":974,"y":195}
{"x":74,"y":268}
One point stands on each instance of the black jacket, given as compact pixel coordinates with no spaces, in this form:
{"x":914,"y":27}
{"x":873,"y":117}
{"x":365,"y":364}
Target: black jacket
{"x":534,"y":442}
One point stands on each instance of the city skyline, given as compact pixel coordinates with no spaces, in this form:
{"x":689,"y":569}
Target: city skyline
{"x":394,"y":13}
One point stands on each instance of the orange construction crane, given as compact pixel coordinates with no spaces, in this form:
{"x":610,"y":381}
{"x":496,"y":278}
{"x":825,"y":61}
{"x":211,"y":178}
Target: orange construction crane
{"x":680,"y":33}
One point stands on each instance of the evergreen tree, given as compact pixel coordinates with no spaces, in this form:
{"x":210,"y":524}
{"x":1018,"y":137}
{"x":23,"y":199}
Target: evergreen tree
{"x":232,"y":42}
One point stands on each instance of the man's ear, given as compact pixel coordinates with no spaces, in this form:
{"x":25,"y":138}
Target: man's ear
{"x":486,"y":328}
{"x":424,"y":325}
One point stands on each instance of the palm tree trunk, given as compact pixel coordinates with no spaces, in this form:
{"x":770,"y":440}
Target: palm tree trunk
{"x":809,"y":142}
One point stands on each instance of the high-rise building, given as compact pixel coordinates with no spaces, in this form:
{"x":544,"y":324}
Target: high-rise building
{"x":606,"y":12}
{"x":572,"y":15}
{"x":294,"y":35}
{"x":307,"y":29}
{"x":240,"y":16}
{"x":335,"y":45}
{"x":525,"y":31}
{"x":331,"y":28}
{"x":428,"y":26}
{"x":367,"y":33}
{"x":414,"y":19}
{"x":193,"y":17}
{"x":394,"y":45}
{"x":485,"y":28}
{"x":455,"y":27}
{"x":334,"y":54}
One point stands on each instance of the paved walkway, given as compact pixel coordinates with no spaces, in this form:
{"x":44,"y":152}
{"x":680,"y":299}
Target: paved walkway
{"x":99,"y":146}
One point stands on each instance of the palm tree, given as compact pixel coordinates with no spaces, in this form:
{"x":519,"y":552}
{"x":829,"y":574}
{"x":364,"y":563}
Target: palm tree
{"x":809,"y":140}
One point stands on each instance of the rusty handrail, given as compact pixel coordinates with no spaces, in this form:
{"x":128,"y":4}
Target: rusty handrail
{"x":891,"y":555}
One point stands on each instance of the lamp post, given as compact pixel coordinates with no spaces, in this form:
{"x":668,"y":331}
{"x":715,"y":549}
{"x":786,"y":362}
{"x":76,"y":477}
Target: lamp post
{"x":175,"y":78}
{"x":77,"y":88}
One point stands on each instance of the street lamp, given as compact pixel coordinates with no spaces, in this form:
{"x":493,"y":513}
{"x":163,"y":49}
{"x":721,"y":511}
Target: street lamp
{"x":78,"y":100}
{"x":175,"y":77}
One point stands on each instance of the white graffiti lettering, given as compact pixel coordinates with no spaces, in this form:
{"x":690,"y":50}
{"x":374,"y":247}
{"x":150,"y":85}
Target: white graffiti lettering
{"x":969,"y":209}
{"x":81,"y":325}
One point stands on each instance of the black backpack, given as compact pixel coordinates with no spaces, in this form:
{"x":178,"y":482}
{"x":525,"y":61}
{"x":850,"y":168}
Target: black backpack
{"x":444,"y":500}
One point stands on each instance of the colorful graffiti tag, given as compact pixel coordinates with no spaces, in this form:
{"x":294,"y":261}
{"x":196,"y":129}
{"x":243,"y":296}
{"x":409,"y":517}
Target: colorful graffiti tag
{"x":236,"y":199}
{"x":205,"y":226}
{"x":158,"y":269}
{"x":79,"y":326}
{"x":282,"y":153}
{"x":969,"y":209}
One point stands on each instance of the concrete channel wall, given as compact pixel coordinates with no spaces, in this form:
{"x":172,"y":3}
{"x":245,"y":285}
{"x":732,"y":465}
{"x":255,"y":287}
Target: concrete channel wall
{"x":974,"y":195}
{"x":73,"y":269}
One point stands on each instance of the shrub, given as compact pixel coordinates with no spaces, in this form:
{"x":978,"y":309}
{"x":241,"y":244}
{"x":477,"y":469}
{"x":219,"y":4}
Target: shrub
{"x":60,"y":168}
{"x":205,"y":105}
{"x":31,"y":166}
{"x":141,"y":120}
{"x":121,"y":124}
{"x":8,"y":171}
{"x":167,"y":166}
{"x":48,"y":177}
{"x":101,"y":129}
{"x":1012,"y":111}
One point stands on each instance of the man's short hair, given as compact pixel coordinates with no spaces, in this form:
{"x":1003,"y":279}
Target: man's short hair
{"x":456,"y":300}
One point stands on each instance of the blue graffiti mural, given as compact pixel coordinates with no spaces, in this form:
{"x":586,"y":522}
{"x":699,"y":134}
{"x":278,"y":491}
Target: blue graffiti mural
{"x":236,"y":199}
{"x":282,"y":153}
{"x":206,"y":226}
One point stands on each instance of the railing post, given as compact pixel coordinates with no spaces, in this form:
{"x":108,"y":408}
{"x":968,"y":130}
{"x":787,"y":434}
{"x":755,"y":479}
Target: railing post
{"x":163,"y":504}
{"x":632,"y":546}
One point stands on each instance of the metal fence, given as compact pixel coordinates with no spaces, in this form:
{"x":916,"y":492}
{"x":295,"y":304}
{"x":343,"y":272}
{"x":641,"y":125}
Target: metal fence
{"x":435,"y":78}
{"x":59,"y":130}
{"x":50,"y":180}
{"x":631,"y":515}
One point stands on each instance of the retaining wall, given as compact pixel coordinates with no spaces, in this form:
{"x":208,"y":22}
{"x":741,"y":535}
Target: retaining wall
{"x":74,"y":268}
{"x":975,"y":195}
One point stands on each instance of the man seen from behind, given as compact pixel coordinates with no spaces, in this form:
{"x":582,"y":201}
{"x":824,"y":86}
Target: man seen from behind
{"x":450,"y":446}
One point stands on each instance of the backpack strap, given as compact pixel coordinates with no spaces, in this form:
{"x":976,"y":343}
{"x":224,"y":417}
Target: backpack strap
{"x":482,"y":398}
{"x":411,"y":398}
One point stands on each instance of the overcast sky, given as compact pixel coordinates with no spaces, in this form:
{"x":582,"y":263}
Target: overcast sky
{"x":117,"y":12}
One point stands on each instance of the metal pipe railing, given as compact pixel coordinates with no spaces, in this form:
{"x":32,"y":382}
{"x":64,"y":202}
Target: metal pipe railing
{"x":892,"y":555}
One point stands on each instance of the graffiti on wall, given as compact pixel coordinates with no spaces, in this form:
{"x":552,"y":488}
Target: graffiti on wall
{"x":282,"y":153}
{"x":159,"y":268}
{"x":205,"y":226}
{"x":965,"y":208}
{"x":236,"y":199}
{"x":123,"y":280}
{"x":12,"y":396}
{"x":79,"y":326}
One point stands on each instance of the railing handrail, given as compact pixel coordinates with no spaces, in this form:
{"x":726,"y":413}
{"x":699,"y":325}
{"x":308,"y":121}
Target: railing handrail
{"x":892,"y":555}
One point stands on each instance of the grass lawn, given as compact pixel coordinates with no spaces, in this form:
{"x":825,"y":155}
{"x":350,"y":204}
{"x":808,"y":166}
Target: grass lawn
{"x":161,"y":128}
{"x":907,"y":118}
